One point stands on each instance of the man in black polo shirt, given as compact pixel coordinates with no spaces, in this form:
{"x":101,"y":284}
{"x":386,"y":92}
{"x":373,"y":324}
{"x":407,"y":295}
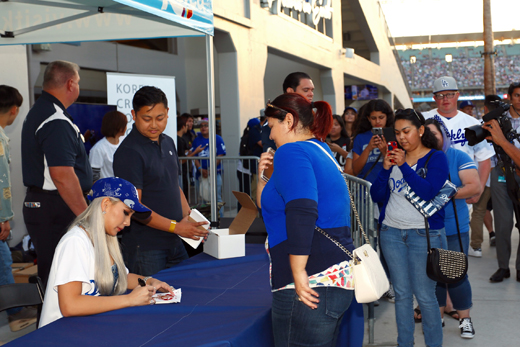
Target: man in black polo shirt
{"x":148,"y":159}
{"x":55,"y":166}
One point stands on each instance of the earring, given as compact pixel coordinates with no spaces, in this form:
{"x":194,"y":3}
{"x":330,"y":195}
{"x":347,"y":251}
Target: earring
{"x":420,"y":135}
{"x":104,"y":212}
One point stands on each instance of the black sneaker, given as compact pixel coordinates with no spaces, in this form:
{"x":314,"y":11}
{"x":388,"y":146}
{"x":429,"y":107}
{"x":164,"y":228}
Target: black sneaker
{"x":466,"y":328}
{"x":492,"y":238}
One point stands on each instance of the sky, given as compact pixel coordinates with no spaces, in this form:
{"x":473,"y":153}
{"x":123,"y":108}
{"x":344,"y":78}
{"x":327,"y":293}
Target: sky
{"x":437,"y":17}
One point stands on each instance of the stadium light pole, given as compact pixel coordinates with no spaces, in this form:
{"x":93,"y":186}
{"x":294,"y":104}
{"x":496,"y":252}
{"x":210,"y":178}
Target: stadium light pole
{"x":489,"y":52}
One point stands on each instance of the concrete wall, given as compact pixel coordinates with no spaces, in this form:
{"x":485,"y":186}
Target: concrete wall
{"x":13,"y":72}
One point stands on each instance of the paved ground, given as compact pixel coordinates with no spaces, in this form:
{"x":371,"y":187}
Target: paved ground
{"x":496,"y":308}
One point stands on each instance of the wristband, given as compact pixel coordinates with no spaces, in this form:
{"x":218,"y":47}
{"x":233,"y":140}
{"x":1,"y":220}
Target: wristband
{"x":173,"y":224}
{"x":200,"y":167}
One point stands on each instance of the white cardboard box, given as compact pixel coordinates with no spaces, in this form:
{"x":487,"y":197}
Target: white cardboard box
{"x":231,"y":242}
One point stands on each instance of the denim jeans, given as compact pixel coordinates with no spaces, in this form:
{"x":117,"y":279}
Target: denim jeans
{"x":150,"y":262}
{"x":405,"y":252}
{"x":6,"y":273}
{"x":296,"y":324}
{"x":460,"y":292}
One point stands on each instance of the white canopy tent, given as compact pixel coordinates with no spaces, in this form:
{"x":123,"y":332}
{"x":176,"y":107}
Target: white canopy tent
{"x":25,"y":22}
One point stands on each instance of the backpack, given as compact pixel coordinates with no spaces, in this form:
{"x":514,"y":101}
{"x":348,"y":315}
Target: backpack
{"x":244,"y":143}
{"x":245,"y":149}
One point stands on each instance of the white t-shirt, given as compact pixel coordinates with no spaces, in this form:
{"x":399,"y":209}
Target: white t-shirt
{"x":455,"y":125}
{"x":73,"y":262}
{"x":102,"y":156}
{"x":400,"y":213}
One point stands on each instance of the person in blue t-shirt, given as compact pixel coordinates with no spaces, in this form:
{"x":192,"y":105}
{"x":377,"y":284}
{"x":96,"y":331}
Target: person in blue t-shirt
{"x":464,"y":174}
{"x":369,"y":150}
{"x":305,"y":190}
{"x":203,"y":165}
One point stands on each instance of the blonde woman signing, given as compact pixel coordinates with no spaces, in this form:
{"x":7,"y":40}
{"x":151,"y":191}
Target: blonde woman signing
{"x":88,"y":275}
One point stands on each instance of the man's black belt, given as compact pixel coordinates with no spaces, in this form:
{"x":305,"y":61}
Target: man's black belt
{"x":51,"y":192}
{"x":44,"y":191}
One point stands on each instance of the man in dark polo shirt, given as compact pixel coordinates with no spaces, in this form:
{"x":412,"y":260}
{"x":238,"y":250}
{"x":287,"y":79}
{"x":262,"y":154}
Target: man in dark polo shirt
{"x":55,"y":166}
{"x":148,"y":159}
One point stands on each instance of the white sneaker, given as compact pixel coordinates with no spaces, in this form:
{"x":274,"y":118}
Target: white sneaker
{"x":475,"y":252}
{"x":466,"y":328}
{"x":390,"y":294}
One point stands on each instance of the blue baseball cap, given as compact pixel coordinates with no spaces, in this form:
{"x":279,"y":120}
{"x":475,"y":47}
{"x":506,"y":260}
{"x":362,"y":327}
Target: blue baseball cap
{"x":350,"y":108}
{"x":253,"y":121}
{"x":121,"y":189}
{"x":466,"y":103}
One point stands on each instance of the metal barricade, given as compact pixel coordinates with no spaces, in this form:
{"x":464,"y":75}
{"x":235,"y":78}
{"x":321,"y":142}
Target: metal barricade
{"x":360,"y":191}
{"x":233,"y":175}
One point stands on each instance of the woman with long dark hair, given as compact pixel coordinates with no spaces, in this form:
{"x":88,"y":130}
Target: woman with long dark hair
{"x":464,"y":174}
{"x":369,"y":150}
{"x":350,"y":115}
{"x":403,"y":236}
{"x":305,"y":191}
{"x":338,"y":140}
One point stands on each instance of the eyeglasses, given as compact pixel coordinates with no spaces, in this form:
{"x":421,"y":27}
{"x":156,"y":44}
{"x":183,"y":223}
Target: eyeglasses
{"x":441,"y":96}
{"x":205,"y":125}
{"x":283,"y":112}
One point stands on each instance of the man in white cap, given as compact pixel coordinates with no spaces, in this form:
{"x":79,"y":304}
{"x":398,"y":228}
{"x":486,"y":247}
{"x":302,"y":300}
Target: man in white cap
{"x":446,"y":95}
{"x":467,"y":107}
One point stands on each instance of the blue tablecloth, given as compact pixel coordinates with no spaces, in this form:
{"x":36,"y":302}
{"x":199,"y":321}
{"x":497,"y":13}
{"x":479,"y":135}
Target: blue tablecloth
{"x":224,"y":303}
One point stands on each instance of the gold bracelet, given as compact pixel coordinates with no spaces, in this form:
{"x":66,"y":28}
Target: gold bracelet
{"x":172,"y":226}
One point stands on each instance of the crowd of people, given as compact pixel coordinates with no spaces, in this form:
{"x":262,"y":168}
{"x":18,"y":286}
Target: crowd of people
{"x":76,"y":206}
{"x":468,"y":71}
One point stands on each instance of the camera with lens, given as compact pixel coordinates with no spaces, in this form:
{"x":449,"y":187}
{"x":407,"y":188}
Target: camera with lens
{"x":476,"y":133}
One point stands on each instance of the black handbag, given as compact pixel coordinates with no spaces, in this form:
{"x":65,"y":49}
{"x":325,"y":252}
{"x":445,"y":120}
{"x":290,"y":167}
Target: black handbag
{"x":446,"y":266}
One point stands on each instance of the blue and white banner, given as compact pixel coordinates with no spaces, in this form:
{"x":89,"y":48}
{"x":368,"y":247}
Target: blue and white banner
{"x":197,"y":14}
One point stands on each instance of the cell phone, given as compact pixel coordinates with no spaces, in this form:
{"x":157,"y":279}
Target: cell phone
{"x":377,"y":131}
{"x":268,"y":172}
{"x":391,"y":146}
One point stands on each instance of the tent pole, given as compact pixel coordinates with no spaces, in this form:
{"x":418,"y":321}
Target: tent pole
{"x":212,"y":128}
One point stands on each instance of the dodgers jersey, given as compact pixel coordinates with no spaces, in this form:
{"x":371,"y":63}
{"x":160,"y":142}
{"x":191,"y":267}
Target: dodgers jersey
{"x":455,"y":127}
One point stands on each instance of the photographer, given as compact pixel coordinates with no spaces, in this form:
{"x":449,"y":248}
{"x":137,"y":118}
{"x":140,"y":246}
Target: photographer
{"x":502,"y":203}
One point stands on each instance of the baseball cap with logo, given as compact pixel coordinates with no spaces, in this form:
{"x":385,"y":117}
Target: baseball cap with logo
{"x":465,"y":104}
{"x":444,"y":83}
{"x":121,"y":189}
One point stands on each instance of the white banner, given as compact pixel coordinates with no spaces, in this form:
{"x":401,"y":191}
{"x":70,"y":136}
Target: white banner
{"x":121,"y":88}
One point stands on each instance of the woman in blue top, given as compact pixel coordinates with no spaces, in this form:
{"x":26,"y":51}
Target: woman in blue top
{"x":369,"y":150}
{"x":403,"y":237}
{"x":305,"y":190}
{"x":464,"y":174}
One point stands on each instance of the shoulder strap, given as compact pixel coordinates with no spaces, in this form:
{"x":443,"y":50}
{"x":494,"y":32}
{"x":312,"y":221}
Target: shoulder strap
{"x":328,"y":154}
{"x":428,"y":159}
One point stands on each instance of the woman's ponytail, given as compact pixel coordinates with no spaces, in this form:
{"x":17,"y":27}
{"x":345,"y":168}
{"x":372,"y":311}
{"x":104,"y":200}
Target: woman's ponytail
{"x":322,"y":119}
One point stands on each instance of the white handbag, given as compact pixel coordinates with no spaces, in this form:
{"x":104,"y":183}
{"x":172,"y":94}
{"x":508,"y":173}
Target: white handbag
{"x":205,"y":188}
{"x":370,"y":281}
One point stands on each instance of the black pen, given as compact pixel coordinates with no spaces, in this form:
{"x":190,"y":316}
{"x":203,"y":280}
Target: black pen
{"x":142,"y":283}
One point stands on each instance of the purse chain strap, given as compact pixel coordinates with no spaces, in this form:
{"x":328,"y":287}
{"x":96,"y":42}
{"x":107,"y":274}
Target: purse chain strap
{"x":353,"y":207}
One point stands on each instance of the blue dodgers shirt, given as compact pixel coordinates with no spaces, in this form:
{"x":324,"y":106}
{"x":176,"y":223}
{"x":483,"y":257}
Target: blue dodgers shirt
{"x":221,"y":150}
{"x":306,"y":189}
{"x":360,"y":143}
{"x":457,"y":161}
